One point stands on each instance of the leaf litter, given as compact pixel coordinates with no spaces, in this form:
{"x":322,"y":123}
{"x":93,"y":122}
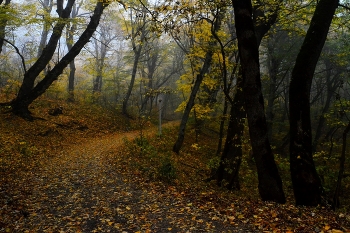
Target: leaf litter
{"x":62,"y":179}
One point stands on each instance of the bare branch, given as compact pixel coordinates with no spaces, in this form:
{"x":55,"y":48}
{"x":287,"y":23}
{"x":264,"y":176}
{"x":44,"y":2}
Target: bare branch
{"x":19,"y":53}
{"x":344,"y":6}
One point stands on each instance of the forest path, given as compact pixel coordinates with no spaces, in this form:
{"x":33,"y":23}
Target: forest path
{"x":87,"y":189}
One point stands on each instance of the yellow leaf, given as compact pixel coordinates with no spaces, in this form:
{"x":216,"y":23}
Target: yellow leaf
{"x":110,"y":223}
{"x":240,"y":216}
{"x":327,"y":227}
{"x":337,"y":231}
{"x":128,"y":208}
{"x":169,"y":229}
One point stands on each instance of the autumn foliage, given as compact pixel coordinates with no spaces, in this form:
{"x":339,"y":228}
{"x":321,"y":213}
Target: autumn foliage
{"x":91,"y":170}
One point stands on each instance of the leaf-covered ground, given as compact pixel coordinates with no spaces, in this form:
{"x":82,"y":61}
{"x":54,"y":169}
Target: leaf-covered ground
{"x":72,"y":173}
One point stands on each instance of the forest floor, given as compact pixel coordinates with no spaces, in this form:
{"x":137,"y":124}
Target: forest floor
{"x":72,"y":173}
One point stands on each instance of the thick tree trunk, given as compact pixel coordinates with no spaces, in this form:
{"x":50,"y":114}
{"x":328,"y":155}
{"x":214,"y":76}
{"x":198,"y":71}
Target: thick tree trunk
{"x":232,"y":154}
{"x":270,"y":183}
{"x":306,"y":182}
{"x":21,"y":103}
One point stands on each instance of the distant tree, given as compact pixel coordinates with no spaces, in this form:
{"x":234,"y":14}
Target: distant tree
{"x":158,"y":67}
{"x":47,"y":8}
{"x":70,"y":31}
{"x":137,"y":29}
{"x":102,"y":45}
{"x":3,"y":20}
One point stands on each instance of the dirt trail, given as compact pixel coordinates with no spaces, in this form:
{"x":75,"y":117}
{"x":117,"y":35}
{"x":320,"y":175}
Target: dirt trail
{"x":84,"y":189}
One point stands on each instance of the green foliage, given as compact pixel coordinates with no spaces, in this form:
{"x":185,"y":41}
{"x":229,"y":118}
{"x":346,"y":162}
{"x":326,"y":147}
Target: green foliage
{"x":213,"y":163}
{"x":167,"y":169}
{"x":148,"y":159}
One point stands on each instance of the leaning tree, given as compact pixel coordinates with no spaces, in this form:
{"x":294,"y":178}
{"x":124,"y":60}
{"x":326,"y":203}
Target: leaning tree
{"x":31,"y":88}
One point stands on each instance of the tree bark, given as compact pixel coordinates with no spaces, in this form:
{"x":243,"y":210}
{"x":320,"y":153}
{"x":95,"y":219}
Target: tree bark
{"x":270,"y":183}
{"x":21,"y":103}
{"x":306,"y":182}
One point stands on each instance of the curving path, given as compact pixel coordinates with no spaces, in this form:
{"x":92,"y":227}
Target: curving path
{"x":86,"y":188}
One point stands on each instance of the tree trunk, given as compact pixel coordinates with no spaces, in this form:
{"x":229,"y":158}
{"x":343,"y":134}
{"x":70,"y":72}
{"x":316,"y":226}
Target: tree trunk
{"x":222,"y":127}
{"x":47,"y":5}
{"x":69,"y":42}
{"x":306,"y":182}
{"x":71,"y":81}
{"x":336,"y":203}
{"x":332,"y":85}
{"x":45,"y":57}
{"x":205,"y":68}
{"x":132,"y":81}
{"x":232,"y":154}
{"x":3,"y":22}
{"x":21,"y":103}
{"x":137,"y":55}
{"x":72,"y":69}
{"x":270,"y":183}
{"x":272,"y":71}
